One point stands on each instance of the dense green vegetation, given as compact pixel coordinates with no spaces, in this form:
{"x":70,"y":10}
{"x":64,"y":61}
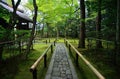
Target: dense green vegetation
{"x":94,"y":26}
{"x":102,"y":59}
{"x":16,"y":68}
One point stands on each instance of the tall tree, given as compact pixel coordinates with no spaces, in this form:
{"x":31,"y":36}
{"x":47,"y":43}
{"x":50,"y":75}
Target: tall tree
{"x":15,"y":6}
{"x":118,"y":33}
{"x":33,"y":29}
{"x":82,"y":26}
{"x":13,"y":21}
{"x":98,"y":25}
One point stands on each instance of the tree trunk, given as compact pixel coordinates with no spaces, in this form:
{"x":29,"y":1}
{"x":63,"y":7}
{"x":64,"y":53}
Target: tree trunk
{"x":65,"y":32}
{"x":42,"y":31}
{"x":118,"y":34}
{"x":15,"y":6}
{"x":57,"y":32}
{"x":82,"y":27}
{"x":98,"y":26}
{"x":48,"y":30}
{"x":1,"y":51}
{"x":33,"y":29}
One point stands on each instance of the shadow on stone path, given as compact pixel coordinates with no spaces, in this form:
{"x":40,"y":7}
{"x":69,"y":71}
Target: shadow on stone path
{"x":61,"y":66}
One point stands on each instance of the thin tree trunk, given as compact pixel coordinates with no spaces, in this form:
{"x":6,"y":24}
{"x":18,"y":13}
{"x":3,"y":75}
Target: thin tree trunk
{"x":42,"y":32}
{"x":57,"y":32}
{"x":1,"y":51}
{"x":33,"y":29}
{"x":98,"y":26}
{"x":15,"y":6}
{"x":65,"y":32}
{"x":82,"y":27}
{"x":118,"y":34}
{"x":76,"y":33}
{"x":48,"y":30}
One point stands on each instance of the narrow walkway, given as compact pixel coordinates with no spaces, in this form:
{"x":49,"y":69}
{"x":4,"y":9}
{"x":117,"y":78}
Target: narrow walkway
{"x":61,"y":66}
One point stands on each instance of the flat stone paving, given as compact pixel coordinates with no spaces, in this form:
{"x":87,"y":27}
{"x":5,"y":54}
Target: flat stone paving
{"x":61,"y":66}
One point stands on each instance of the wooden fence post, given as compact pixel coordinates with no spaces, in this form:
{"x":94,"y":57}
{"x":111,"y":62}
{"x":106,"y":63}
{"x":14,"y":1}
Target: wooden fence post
{"x":54,"y":43}
{"x":45,"y":60}
{"x":46,"y":41}
{"x":34,"y":72}
{"x":69,"y":48}
{"x":66,"y":43}
{"x":76,"y":59}
{"x":51,"y":48}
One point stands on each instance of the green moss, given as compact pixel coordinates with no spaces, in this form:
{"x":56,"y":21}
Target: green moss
{"x":102,"y":59}
{"x":17,"y":68}
{"x":24,"y":67}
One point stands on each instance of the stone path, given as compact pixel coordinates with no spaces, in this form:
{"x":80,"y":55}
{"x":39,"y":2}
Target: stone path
{"x":61,"y":66}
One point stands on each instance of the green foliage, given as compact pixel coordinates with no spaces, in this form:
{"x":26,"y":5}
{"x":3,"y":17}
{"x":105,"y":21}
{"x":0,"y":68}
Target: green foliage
{"x":108,"y":20}
{"x":9,"y":2}
{"x":4,"y":14}
{"x":19,"y":69}
{"x":53,"y":11}
{"x":2,"y":33}
{"x":29,"y":4}
{"x":21,"y":32}
{"x":25,"y":34}
{"x":10,"y":34}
